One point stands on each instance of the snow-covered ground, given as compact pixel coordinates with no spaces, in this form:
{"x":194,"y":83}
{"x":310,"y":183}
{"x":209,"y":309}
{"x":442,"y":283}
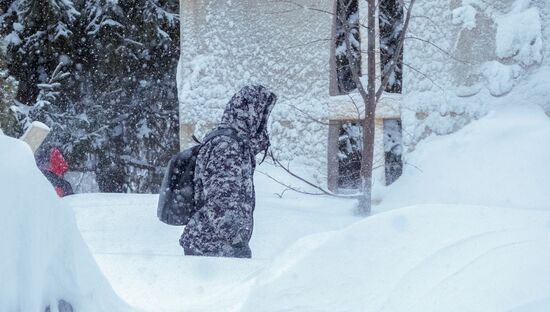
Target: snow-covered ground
{"x":467,"y":228}
{"x":145,"y":264}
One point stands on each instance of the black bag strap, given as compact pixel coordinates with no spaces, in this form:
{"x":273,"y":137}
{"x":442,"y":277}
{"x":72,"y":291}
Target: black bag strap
{"x":195,"y":139}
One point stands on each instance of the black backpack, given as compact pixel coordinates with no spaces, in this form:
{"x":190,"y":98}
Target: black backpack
{"x":177,"y":193}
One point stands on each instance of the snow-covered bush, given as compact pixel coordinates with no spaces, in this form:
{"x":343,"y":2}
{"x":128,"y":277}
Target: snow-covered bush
{"x":465,"y":16}
{"x":500,"y":78}
{"x":473,"y":56}
{"x":519,"y":34}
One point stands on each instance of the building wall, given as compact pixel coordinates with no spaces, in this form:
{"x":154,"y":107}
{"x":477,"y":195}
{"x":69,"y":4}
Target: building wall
{"x":465,"y":58}
{"x":454,"y":68}
{"x":228,"y":44}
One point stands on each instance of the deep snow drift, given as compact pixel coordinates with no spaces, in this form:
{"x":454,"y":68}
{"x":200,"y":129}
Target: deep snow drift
{"x":438,"y":257}
{"x":420,"y":258}
{"x":311,"y":254}
{"x":499,"y":160}
{"x":43,"y":258}
{"x":145,"y":264}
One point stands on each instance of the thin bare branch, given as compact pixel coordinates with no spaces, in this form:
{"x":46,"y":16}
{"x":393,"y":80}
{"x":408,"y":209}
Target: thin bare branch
{"x":288,"y":187}
{"x":440,"y":49}
{"x":282,"y":12}
{"x":357,"y":109}
{"x":434,"y":24}
{"x":303,"y":6}
{"x":424,"y":75}
{"x":306,"y":44}
{"x":322,"y":190}
{"x":308,"y":116}
{"x":414,"y":166}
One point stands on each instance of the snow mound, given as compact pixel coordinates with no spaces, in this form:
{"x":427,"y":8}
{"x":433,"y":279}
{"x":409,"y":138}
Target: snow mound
{"x":500,"y":160}
{"x":474,"y":234}
{"x":43,"y":258}
{"x":465,"y":16}
{"x":419,"y":258}
{"x":500,"y":78}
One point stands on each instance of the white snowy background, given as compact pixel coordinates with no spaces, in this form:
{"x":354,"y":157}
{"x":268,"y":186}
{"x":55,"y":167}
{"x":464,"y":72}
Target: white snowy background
{"x":466,"y":228}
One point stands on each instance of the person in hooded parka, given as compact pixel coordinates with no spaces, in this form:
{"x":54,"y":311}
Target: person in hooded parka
{"x":224,"y":186}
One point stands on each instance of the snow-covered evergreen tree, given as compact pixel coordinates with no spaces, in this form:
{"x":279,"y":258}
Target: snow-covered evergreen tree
{"x":347,"y":12}
{"x":44,"y":109}
{"x":37,"y":35}
{"x":8,"y":90}
{"x":116,"y":113}
{"x":391,"y":25}
{"x":137,"y":78}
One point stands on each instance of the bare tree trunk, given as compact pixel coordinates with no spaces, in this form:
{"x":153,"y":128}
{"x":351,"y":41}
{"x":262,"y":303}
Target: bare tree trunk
{"x":370,"y":96}
{"x":369,"y":99}
{"x":367,"y":155}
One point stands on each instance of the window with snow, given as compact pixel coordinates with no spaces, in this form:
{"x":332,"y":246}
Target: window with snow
{"x":345,"y":145}
{"x":393,"y":163}
{"x":347,"y":13}
{"x":350,"y":145}
{"x":391,"y":24}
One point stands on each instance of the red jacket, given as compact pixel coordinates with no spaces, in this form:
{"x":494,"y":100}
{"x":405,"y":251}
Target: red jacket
{"x":58,"y":166}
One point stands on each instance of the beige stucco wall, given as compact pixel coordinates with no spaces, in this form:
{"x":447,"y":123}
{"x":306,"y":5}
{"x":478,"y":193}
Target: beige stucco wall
{"x":454,"y":68}
{"x":227,"y":44}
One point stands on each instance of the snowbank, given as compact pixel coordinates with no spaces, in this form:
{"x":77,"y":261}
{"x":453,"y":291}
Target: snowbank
{"x":475,"y":255}
{"x":500,"y":160}
{"x":43,"y":258}
{"x":420,"y":258}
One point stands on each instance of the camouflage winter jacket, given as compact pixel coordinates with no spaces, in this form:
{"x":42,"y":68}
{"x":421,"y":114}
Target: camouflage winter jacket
{"x":224,"y":185}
